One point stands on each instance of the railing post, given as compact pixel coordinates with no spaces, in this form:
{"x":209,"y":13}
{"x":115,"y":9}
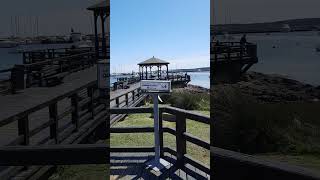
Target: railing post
{"x":127,"y":99}
{"x":117,"y":102}
{"x":53,"y":114}
{"x":90,"y":94}
{"x":18,"y":77}
{"x":23,"y":129}
{"x":133,"y":95}
{"x":181,"y":144}
{"x":161,"y":133}
{"x":75,"y":111}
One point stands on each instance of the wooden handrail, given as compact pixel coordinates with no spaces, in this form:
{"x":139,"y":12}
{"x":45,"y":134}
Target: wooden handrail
{"x":54,"y":154}
{"x":234,"y":165}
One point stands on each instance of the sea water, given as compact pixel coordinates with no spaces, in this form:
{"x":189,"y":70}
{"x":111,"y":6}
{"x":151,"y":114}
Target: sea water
{"x":290,"y":54}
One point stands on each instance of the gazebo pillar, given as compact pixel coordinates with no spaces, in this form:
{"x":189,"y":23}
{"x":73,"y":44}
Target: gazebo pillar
{"x":167,"y":71}
{"x":146,"y":73}
{"x":150,"y":70}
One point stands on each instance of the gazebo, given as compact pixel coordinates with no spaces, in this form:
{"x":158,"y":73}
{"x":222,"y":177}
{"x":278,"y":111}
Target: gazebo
{"x":150,"y":63}
{"x":101,"y":10}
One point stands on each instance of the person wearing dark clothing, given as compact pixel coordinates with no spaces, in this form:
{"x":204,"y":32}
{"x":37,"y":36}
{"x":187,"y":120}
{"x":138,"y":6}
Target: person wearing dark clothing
{"x":243,"y":43}
{"x":243,"y":40}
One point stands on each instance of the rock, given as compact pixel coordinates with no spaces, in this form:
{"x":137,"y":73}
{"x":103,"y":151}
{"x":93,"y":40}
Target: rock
{"x":274,"y":88}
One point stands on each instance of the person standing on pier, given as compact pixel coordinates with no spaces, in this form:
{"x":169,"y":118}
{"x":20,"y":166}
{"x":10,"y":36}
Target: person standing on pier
{"x":243,"y":40}
{"x":243,"y":43}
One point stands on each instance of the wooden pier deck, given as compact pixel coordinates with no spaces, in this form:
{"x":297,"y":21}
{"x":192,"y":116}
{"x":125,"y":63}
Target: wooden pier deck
{"x":127,"y":166}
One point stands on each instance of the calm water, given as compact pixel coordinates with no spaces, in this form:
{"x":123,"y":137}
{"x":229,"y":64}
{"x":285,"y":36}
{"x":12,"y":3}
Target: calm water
{"x":290,"y":54}
{"x":200,"y":79}
{"x":197,"y":78}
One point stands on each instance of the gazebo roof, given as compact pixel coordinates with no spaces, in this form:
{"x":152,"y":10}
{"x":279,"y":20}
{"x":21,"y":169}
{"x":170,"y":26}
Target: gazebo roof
{"x":100,"y":6}
{"x":153,"y":61}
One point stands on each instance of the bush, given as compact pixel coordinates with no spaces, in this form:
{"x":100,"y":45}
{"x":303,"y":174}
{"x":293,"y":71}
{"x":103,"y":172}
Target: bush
{"x":242,"y":124}
{"x":188,"y":101}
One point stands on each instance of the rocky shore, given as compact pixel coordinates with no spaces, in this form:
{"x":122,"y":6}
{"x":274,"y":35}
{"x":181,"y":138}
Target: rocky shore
{"x":265,"y":88}
{"x":272,"y":88}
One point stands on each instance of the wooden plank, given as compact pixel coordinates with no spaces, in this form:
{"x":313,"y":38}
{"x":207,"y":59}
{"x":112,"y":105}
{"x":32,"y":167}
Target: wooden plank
{"x":195,"y":140}
{"x":131,"y":149}
{"x":54,"y":154}
{"x":131,"y":130}
{"x":230,"y":164}
{"x":39,"y":98}
{"x":131,"y":110}
{"x":190,"y":115}
{"x":169,"y":130}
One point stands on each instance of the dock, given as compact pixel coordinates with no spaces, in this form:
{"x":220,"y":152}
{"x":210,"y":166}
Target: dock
{"x":230,"y":60}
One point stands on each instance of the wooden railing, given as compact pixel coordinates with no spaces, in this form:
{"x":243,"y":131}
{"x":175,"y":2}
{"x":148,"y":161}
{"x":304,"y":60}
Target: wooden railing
{"x":229,"y":51}
{"x":38,"y":73}
{"x":123,"y":83}
{"x":34,"y":56}
{"x":178,"y":77}
{"x":5,"y":81}
{"x":233,"y":165}
{"x":182,"y":137}
{"x":128,"y":99}
{"x":81,"y":114}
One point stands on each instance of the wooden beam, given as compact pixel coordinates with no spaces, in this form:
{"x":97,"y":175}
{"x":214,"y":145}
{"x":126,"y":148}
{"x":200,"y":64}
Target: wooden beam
{"x":234,"y":165}
{"x":54,"y":155}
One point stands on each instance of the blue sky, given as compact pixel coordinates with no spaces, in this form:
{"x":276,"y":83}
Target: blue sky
{"x":173,"y":30}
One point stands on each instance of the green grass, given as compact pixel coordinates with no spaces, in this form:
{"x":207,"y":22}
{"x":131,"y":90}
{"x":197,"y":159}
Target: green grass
{"x":81,"y":172}
{"x":146,"y":139}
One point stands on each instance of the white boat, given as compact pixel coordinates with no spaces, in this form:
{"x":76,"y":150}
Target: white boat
{"x":8,"y":44}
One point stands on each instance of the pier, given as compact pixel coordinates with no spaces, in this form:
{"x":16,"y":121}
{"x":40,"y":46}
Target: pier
{"x":44,"y":124}
{"x":229,"y":60}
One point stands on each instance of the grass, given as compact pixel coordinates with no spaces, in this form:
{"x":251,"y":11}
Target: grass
{"x":81,"y":172}
{"x":146,"y":139}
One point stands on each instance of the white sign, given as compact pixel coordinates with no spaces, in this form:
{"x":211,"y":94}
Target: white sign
{"x":155,"y":86}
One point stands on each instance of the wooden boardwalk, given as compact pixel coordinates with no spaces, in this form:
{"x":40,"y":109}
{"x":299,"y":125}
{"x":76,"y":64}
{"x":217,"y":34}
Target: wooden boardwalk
{"x":30,"y":98}
{"x":127,"y":166}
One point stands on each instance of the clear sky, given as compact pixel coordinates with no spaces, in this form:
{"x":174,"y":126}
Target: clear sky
{"x":173,"y":30}
{"x":250,"y":11}
{"x":55,"y":16}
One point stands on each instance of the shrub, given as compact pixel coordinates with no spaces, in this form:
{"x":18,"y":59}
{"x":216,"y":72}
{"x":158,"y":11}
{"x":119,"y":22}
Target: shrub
{"x":242,"y":124}
{"x":187,"y":100}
